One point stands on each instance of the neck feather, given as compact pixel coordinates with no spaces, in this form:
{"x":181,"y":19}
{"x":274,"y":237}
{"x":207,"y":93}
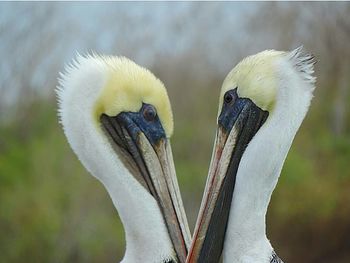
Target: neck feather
{"x":147,"y":239}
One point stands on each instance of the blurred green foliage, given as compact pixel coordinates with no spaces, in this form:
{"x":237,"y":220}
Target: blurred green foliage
{"x":52,"y":211}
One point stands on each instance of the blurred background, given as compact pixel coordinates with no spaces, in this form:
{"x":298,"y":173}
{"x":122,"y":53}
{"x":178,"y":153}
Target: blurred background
{"x":51,"y":210}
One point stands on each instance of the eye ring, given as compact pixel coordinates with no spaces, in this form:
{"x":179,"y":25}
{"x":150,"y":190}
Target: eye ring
{"x":228,"y":97}
{"x":149,"y":113}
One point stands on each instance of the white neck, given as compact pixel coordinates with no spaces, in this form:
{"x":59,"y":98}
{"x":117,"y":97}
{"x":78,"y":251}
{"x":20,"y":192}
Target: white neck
{"x":259,"y":169}
{"x":147,"y":239}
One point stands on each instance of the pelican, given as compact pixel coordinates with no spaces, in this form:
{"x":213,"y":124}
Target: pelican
{"x":262,"y":104}
{"x":117,"y":119}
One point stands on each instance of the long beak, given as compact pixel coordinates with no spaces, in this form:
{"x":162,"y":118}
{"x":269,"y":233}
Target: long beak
{"x":237,"y":124}
{"x":161,"y":169}
{"x":151,"y":163}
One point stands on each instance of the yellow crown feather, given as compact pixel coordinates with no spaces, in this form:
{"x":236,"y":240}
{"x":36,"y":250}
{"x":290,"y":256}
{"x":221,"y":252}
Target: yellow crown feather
{"x":128,"y":86}
{"x":255,"y":78}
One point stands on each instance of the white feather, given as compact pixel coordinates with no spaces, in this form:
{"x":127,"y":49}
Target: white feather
{"x":147,"y":238}
{"x":262,"y":161}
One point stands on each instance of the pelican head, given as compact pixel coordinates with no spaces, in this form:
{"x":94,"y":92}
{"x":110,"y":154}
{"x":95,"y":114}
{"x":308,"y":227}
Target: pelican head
{"x":117,"y":118}
{"x":262,"y":103}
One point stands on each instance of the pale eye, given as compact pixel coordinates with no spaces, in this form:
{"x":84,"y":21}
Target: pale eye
{"x":149,"y":113}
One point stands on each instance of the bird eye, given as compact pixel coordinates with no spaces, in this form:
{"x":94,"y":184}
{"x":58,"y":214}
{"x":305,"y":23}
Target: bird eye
{"x":228,"y":97}
{"x":149,"y":113}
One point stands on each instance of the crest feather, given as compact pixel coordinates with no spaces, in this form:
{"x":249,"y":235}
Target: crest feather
{"x":304,"y":63}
